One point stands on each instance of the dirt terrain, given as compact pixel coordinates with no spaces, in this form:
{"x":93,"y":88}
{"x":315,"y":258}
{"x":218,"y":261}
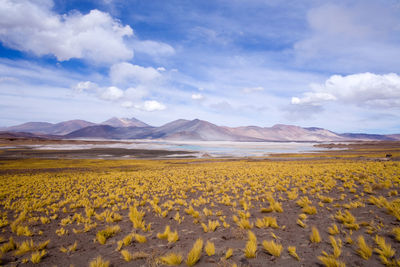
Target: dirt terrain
{"x":66,"y":200}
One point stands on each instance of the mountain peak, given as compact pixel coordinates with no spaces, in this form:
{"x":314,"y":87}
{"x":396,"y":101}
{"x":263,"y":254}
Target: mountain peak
{"x":124,"y":122}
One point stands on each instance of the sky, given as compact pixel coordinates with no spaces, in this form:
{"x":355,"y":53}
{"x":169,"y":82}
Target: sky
{"x":330,"y":64}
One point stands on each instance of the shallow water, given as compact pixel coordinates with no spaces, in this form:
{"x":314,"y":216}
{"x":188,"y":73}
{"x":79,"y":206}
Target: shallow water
{"x":199,"y":148}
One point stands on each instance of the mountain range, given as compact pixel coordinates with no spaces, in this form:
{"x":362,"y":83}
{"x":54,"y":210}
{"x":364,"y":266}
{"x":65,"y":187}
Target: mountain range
{"x":186,"y":130}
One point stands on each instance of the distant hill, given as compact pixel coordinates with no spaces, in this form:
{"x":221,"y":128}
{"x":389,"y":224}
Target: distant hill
{"x":189,"y":130}
{"x":281,"y":132}
{"x":363,"y":136}
{"x":124,"y":122}
{"x":61,"y":128}
{"x":67,"y":127}
{"x":109,"y":132}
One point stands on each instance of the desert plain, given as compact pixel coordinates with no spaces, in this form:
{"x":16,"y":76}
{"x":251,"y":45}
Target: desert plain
{"x":326,"y":208}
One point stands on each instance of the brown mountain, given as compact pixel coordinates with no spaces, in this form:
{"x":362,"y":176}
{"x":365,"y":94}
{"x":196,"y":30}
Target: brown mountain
{"x":124,"y":122}
{"x":197,"y":130}
{"x":189,"y":130}
{"x":61,"y":128}
{"x":281,"y":132}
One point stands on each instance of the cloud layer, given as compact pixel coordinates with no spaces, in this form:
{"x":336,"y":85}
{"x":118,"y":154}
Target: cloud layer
{"x":32,"y":27}
{"x":127,"y":73}
{"x":363,"y":89}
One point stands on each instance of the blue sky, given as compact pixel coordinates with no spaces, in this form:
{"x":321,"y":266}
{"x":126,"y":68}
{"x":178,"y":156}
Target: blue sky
{"x":330,"y":64}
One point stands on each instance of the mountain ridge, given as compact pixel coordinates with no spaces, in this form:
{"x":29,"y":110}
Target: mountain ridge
{"x":189,"y":130}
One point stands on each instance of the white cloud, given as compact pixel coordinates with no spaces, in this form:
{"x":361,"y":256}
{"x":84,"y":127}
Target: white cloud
{"x":32,"y":27}
{"x":161,"y":69}
{"x":357,"y":37}
{"x":85,"y":86}
{"x":112,"y":93}
{"x":125,"y":72}
{"x":249,"y":90}
{"x":153,"y":48}
{"x":363,"y":89}
{"x":313,"y":98}
{"x":136,"y":93}
{"x":197,"y":97}
{"x":150,"y":105}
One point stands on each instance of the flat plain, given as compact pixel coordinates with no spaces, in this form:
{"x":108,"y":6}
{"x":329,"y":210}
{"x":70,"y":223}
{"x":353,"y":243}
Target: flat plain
{"x":325,"y":209}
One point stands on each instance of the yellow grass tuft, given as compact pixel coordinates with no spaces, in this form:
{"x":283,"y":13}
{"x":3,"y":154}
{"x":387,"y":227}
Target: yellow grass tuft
{"x":331,"y":261}
{"x":73,"y":247}
{"x":209,"y":248}
{"x":266,"y":222}
{"x":173,"y":237}
{"x":244,"y":224}
{"x":229,"y":253}
{"x":24,"y":247}
{"x":333,"y":230}
{"x":195,"y":253}
{"x":272,"y":248}
{"x":44,"y":220}
{"x":108,"y":232}
{"x":165,"y":234}
{"x":301,"y":223}
{"x":23,"y":230}
{"x":348,"y":220}
{"x":171,"y":259}
{"x":385,"y":251}
{"x":292,"y":252}
{"x":140,"y":238}
{"x":315,"y":237}
{"x":309,"y":210}
{"x":303,"y":216}
{"x":99,"y":262}
{"x":9,"y":246}
{"x":363,"y":250}
{"x":396,"y":233}
{"x":336,"y":246}
{"x":126,"y":255}
{"x":251,"y":246}
{"x":37,"y":256}
{"x":136,"y":218}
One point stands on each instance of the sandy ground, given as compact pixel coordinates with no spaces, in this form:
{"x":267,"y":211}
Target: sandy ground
{"x":288,"y":233}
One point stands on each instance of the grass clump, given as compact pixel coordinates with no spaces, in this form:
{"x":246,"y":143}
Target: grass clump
{"x":139,"y":238}
{"x":385,"y":251}
{"x":272,"y":248}
{"x":333,"y":230}
{"x":363,"y":250}
{"x":396,"y":233}
{"x":99,"y":262}
{"x":331,"y":261}
{"x":171,"y":259}
{"x":9,"y":246}
{"x":37,"y":256}
{"x":209,"y":248}
{"x":105,"y":234}
{"x":251,"y":246}
{"x":126,"y":255}
{"x":195,"y":253}
{"x":228,"y":253}
{"x":165,"y":234}
{"x":292,"y":252}
{"x":315,"y":237}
